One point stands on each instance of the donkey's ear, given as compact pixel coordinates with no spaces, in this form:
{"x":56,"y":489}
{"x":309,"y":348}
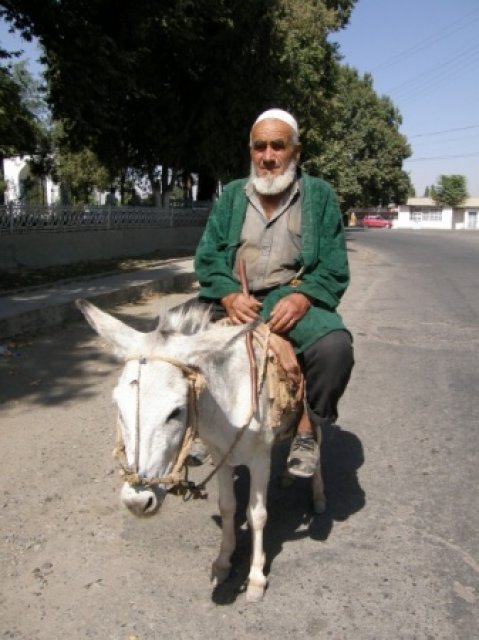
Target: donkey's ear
{"x":214,"y":343}
{"x":124,"y":339}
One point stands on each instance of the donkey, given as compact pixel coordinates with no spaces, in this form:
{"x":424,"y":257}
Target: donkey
{"x":189,"y":375}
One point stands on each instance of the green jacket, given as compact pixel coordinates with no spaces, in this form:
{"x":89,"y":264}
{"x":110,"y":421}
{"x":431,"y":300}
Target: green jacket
{"x":324,"y":261}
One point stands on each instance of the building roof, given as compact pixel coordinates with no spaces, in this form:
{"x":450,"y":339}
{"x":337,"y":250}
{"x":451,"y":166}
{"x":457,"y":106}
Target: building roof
{"x":429,"y":202}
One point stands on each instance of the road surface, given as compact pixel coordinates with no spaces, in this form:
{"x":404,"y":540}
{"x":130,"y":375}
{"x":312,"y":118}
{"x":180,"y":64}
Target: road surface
{"x":395,"y":556}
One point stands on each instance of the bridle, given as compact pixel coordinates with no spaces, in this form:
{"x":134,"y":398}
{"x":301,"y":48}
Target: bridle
{"x":175,"y":477}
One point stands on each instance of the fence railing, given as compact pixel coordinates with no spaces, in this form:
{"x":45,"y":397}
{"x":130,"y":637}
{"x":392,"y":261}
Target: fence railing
{"x":15,"y":218}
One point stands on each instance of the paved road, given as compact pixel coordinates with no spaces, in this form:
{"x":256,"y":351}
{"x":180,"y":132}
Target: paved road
{"x":418,"y":418}
{"x":395,"y":556}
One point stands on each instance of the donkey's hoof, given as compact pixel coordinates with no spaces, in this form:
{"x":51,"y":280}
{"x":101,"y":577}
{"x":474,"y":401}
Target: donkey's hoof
{"x":254,"y":593}
{"x":219,"y":574}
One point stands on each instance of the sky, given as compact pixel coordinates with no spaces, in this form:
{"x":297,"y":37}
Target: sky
{"x":14,"y":42}
{"x":424,"y":55}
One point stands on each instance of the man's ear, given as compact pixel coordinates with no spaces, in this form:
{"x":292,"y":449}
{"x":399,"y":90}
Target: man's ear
{"x":297,"y":152}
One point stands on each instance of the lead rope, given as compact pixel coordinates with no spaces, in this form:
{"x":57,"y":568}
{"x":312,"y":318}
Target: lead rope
{"x":249,"y":342}
{"x":264,"y":342}
{"x":141,"y":361}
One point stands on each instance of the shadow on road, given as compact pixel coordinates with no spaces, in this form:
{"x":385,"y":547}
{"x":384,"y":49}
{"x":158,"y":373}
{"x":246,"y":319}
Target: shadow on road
{"x":290,"y":515}
{"x":64,"y":363}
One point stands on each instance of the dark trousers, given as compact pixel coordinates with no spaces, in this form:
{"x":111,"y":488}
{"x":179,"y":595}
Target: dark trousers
{"x":326,"y":366}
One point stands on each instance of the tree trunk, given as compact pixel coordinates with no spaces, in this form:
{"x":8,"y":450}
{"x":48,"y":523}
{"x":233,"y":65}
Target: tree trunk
{"x":164,"y":186}
{"x":206,"y":187}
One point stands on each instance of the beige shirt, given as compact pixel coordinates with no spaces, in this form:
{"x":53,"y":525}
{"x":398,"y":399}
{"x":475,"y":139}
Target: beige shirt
{"x":271,"y":248}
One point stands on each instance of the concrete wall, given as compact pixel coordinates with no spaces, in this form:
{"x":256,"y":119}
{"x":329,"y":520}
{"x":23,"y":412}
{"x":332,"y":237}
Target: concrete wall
{"x":44,"y":249}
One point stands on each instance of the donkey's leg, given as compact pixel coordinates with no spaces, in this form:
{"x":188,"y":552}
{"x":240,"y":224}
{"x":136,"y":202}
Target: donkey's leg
{"x":227,"y":504}
{"x":319,"y":499}
{"x":259,"y":472}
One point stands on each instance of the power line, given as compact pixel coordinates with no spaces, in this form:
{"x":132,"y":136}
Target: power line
{"x":438,"y":73}
{"x":437,"y":133}
{"x":427,"y":42}
{"x":463,"y":155}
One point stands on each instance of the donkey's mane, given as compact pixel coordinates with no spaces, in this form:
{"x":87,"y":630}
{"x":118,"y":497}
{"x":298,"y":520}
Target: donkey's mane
{"x":188,"y":320}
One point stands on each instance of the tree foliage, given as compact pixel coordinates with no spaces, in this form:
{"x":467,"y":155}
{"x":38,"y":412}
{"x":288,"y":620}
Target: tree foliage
{"x":79,"y":171}
{"x":178,"y":84}
{"x":153,"y":81}
{"x":19,"y":128}
{"x":450,"y":190}
{"x":361,"y":151}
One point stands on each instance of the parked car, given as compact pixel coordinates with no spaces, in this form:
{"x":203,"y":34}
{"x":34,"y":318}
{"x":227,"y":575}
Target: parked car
{"x":377,"y":221}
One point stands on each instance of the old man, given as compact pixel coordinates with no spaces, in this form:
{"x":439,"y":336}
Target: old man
{"x":287,"y":229}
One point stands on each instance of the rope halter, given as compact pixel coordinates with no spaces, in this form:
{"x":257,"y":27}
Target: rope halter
{"x":196,"y":383}
{"x":130,"y":474}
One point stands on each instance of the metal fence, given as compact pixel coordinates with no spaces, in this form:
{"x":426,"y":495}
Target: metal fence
{"x":15,"y":218}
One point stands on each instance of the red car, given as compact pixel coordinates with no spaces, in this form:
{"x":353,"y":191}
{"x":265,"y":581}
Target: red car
{"x":377,"y":221}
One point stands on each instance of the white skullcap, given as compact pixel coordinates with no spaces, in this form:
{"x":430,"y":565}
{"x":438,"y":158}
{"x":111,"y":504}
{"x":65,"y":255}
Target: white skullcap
{"x":279,"y":114}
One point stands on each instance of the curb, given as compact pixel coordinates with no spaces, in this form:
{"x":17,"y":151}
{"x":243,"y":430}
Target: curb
{"x":57,"y":314}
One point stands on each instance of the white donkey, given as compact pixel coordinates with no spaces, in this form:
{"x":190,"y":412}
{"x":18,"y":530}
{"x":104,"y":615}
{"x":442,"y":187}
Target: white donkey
{"x":190,"y":370}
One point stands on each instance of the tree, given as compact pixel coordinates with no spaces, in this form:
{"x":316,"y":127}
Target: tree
{"x":361,"y":151}
{"x":41,"y":162}
{"x":309,"y":62}
{"x":79,"y":172}
{"x":32,"y":92}
{"x":163,"y":81}
{"x":178,"y":84}
{"x":450,"y":190}
{"x":20,"y":131}
{"x":166,"y":80}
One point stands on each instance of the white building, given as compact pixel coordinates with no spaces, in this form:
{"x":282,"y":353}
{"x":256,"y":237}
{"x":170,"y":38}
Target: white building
{"x":16,"y":173}
{"x":424,"y":213}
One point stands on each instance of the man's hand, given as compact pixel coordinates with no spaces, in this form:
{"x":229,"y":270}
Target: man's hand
{"x":287,"y":312}
{"x":241,"y":308}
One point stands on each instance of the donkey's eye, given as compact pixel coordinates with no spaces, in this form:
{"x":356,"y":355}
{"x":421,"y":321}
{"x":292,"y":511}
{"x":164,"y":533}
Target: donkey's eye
{"x":174,"y":414}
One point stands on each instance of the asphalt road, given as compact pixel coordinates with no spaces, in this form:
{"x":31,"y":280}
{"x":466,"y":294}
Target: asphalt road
{"x":395,"y":556}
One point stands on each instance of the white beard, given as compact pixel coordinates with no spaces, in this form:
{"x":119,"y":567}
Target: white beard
{"x":273,"y":185}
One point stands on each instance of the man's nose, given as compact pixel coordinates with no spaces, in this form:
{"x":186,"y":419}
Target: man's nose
{"x":268,"y":154}
{"x":269,"y":158}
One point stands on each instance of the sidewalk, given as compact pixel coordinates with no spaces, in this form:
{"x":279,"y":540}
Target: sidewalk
{"x":29,"y":310}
